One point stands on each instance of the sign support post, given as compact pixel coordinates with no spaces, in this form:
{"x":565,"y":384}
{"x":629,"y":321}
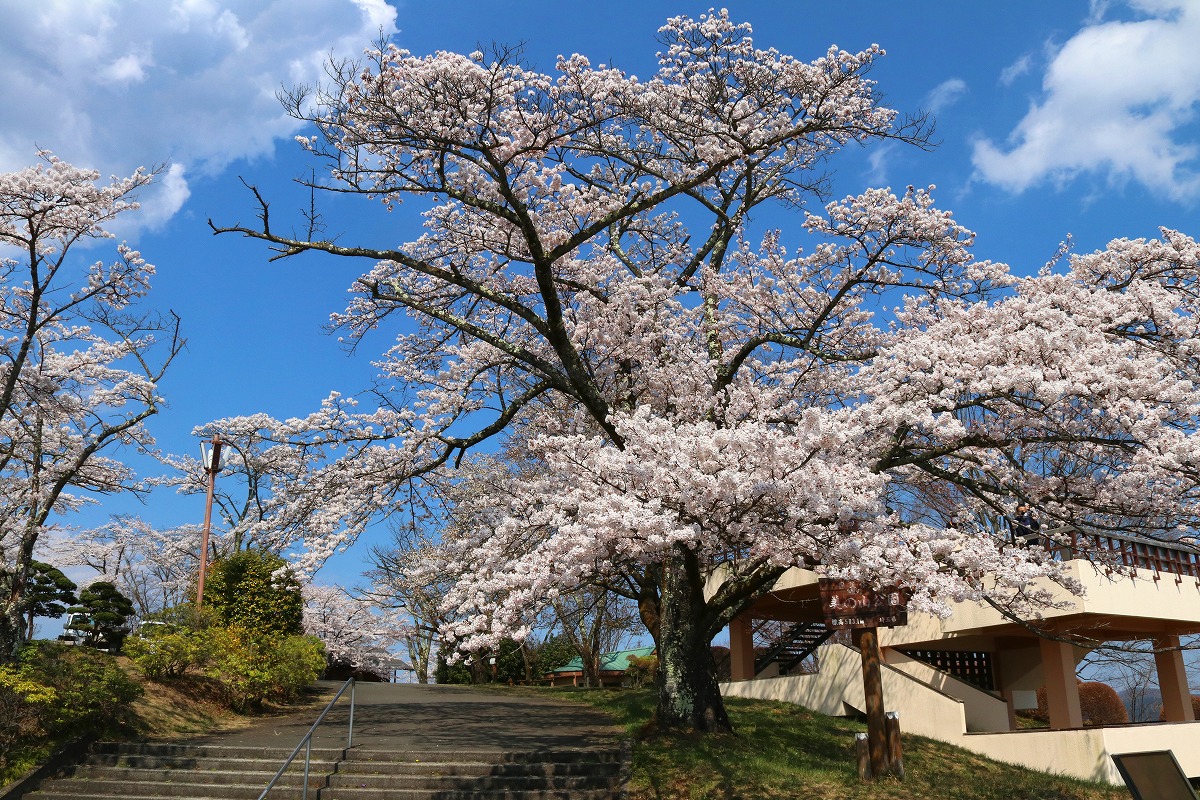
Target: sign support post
{"x":848,"y":604}
{"x":867,"y":641}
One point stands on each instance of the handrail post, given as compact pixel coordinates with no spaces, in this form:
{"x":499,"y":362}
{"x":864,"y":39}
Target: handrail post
{"x":307,"y":761}
{"x":306,"y":742}
{"x":350,"y":730}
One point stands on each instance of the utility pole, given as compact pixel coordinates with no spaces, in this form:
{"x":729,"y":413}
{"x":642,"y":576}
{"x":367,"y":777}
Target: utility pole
{"x":212,"y":465}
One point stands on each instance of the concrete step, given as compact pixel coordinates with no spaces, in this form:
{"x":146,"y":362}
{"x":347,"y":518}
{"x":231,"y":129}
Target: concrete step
{"x":588,"y":755}
{"x":477,"y":769}
{"x":131,"y":775}
{"x":474,"y":782}
{"x":181,"y":787}
{"x":113,"y":761}
{"x":462,"y":794}
{"x":184,"y":750}
{"x":158,"y":771}
{"x":62,"y":790}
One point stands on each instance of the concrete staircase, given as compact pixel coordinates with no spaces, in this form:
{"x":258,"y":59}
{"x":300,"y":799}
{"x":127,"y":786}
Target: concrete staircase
{"x":145,"y":771}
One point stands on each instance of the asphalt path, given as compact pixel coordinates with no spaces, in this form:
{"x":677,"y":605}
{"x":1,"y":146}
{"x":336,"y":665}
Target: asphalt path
{"x":412,"y":717}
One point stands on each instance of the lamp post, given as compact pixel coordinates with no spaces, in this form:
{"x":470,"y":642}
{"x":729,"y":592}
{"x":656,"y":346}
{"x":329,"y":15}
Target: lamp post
{"x":212,"y":465}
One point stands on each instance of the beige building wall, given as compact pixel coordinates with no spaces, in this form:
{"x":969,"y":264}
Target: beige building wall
{"x":1087,"y":753}
{"x":984,"y":711}
{"x":837,"y":690}
{"x":925,"y":711}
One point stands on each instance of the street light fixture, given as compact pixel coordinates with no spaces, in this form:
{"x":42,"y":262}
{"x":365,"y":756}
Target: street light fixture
{"x":211,"y":459}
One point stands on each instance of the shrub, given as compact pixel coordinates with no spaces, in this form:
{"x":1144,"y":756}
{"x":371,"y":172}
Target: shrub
{"x":552,"y":654}
{"x":170,"y":654}
{"x":257,"y":591}
{"x":1099,"y":704}
{"x":92,"y":693}
{"x":108,"y":610}
{"x":298,"y":661}
{"x":49,"y":593}
{"x":458,"y":672}
{"x":642,"y":670}
{"x":23,"y":705}
{"x":253,"y":669}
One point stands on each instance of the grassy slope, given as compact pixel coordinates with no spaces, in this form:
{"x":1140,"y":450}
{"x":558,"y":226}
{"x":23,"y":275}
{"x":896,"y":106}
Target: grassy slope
{"x":784,"y":751}
{"x":187,"y":707}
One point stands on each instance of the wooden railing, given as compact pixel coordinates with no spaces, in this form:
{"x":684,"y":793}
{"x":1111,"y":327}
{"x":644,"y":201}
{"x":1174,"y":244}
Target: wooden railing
{"x":1174,"y":558}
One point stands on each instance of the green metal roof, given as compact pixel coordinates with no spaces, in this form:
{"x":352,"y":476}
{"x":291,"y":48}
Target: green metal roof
{"x":609,"y":662}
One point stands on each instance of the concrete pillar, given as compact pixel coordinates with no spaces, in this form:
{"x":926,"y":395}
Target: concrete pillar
{"x":1062,"y":691}
{"x":1172,"y":681}
{"x":741,"y":649}
{"x":1007,"y":694}
{"x":1001,"y":684}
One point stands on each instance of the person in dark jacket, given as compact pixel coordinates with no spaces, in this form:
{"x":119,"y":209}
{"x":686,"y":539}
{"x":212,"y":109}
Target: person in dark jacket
{"x":1024,"y":528}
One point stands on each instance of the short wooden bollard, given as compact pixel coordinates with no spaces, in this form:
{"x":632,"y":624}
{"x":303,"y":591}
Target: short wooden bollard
{"x":891,"y":722}
{"x":863,"y":750}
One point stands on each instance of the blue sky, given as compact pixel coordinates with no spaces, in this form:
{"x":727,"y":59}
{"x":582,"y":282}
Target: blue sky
{"x":1053,"y":119}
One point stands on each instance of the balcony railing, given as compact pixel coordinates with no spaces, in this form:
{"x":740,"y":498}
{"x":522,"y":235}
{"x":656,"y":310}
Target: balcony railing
{"x":1174,"y":558}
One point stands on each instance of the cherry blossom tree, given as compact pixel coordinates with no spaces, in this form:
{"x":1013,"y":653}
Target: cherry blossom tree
{"x":154,"y":567}
{"x":401,"y":581}
{"x":79,"y":364}
{"x":704,"y":398}
{"x":355,"y":631}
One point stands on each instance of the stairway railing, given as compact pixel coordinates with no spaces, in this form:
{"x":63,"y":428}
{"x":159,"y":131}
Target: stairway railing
{"x":306,"y":742}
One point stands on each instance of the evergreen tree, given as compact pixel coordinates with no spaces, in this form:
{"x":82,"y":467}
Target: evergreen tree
{"x":107,"y":610}
{"x":48,"y":593}
{"x":256,"y":590}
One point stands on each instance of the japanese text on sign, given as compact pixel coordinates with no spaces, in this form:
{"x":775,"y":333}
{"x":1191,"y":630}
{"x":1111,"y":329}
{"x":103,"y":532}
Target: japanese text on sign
{"x":849,"y":604}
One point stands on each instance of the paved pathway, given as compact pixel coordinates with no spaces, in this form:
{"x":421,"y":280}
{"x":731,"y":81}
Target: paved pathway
{"x":395,"y":717}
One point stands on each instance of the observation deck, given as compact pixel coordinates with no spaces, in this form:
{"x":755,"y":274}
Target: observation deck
{"x":962,"y":679}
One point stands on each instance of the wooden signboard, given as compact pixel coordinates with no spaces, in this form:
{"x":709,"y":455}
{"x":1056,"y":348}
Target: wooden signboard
{"x":1154,"y":775}
{"x":849,"y":604}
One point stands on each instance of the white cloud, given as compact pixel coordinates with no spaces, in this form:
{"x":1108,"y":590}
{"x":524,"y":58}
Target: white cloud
{"x":160,"y":201}
{"x":126,"y":69}
{"x":878,"y":162}
{"x":945,"y":94}
{"x":1116,"y":99}
{"x":116,"y":84}
{"x":1020,"y":67}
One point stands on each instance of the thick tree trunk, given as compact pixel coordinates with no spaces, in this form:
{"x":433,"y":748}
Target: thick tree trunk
{"x":12,"y":617}
{"x":12,"y":629}
{"x":688,"y":695}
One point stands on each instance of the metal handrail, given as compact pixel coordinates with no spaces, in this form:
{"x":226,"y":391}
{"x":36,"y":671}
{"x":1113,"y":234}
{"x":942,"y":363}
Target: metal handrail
{"x":1172,"y":557}
{"x":306,"y":742}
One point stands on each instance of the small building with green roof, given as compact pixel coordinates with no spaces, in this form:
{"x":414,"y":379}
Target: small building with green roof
{"x":612,"y":668}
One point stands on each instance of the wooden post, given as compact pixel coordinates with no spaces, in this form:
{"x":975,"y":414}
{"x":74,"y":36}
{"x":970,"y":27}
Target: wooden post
{"x":895,"y":751}
{"x":867,"y":641}
{"x":861,"y":749}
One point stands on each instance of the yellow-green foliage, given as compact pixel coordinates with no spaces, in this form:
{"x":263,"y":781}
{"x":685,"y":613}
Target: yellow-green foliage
{"x":250,"y":665}
{"x":257,"y":591}
{"x":93,"y":694}
{"x":169,"y":655}
{"x":23,"y":702}
{"x":54,"y":693}
{"x":253,"y":669}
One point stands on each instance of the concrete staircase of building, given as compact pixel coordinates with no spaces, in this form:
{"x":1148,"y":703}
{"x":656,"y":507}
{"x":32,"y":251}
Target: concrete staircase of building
{"x":146,"y":771}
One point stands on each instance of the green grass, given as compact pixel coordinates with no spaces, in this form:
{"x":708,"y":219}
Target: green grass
{"x":784,"y":751}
